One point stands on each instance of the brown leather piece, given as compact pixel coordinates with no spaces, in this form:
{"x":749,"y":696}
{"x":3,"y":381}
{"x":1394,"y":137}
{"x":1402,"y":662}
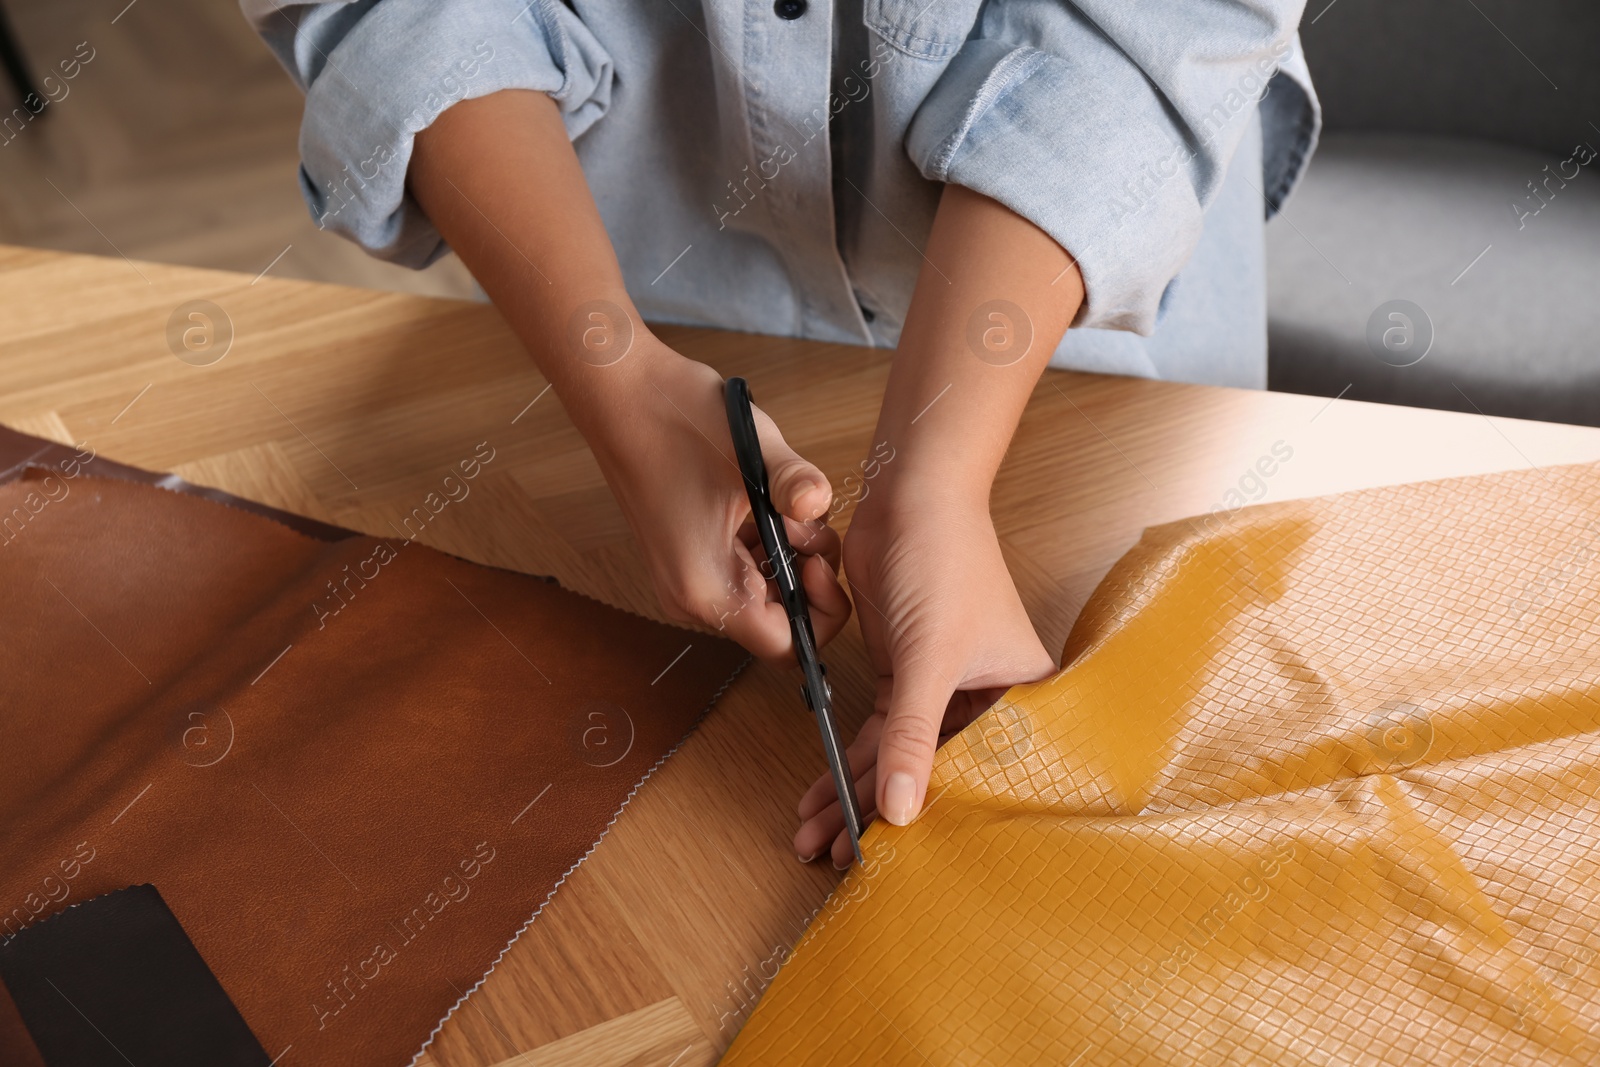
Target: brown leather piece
{"x":20,"y":452}
{"x":351,"y":813}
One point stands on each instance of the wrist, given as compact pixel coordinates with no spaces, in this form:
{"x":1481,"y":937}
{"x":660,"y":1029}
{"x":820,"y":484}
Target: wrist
{"x":948,"y":431}
{"x":621,"y":413}
{"x":922,"y":492}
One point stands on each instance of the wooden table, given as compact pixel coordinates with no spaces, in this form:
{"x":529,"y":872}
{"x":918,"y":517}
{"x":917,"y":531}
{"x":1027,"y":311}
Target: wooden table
{"x":347,"y":404}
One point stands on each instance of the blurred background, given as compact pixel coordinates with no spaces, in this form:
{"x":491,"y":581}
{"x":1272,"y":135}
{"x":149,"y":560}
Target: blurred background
{"x":1442,"y":251}
{"x":175,"y":142}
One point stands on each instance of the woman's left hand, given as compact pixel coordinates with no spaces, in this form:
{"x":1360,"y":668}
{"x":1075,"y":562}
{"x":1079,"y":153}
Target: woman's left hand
{"x":946,"y":634}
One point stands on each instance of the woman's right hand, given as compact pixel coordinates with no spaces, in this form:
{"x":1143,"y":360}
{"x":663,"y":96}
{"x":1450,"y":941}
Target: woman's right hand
{"x":498,"y":176}
{"x":663,"y":444}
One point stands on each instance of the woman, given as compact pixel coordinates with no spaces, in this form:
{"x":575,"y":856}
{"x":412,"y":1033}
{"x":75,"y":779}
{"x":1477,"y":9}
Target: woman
{"x":959,"y":179}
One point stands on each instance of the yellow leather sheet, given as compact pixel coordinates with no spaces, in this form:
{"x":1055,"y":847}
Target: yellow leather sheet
{"x":1319,"y":785}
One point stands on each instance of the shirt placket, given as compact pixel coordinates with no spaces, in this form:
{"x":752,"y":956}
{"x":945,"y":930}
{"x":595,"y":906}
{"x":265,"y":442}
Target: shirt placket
{"x":786,"y":86}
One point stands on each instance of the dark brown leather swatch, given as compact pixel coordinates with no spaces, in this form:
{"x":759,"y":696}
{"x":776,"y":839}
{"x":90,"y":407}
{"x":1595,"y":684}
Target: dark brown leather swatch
{"x":353,"y":767}
{"x":115,"y":980}
{"x":19,"y":452}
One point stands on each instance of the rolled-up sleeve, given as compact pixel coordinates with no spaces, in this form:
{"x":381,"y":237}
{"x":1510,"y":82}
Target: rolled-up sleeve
{"x":378,"y":72}
{"x":1110,"y":124}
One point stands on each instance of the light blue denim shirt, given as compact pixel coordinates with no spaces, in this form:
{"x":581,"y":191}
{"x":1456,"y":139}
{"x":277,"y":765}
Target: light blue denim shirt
{"x":1149,"y":139}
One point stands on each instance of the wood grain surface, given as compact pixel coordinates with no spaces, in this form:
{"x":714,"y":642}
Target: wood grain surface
{"x":348,"y":405}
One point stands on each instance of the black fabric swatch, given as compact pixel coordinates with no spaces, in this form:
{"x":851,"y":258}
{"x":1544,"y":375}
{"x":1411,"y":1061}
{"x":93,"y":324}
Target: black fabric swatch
{"x":115,"y":981}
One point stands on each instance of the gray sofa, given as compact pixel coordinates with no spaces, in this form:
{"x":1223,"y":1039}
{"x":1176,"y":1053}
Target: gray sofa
{"x":1443,"y":249}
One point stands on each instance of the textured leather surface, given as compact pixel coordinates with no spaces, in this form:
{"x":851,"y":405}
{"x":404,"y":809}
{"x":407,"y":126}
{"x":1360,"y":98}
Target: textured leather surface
{"x":1319,"y":785}
{"x":123,"y":961}
{"x":351,"y":813}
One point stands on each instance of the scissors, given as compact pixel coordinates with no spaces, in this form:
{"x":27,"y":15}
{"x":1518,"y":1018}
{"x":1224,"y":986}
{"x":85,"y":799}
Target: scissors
{"x":817,"y":692}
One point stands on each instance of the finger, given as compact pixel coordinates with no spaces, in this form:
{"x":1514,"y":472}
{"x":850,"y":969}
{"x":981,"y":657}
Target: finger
{"x":842,"y":852}
{"x":817,"y":834}
{"x":830,"y":607}
{"x":910,"y":737}
{"x":753,"y":618}
{"x":862,"y":755}
{"x":819,"y":807}
{"x":821,"y":817}
{"x":814,"y":538}
{"x":799,"y":489}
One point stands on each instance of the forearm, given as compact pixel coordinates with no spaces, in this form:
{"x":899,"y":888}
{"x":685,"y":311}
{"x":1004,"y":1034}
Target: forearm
{"x":967,"y":363}
{"x":499,"y":178}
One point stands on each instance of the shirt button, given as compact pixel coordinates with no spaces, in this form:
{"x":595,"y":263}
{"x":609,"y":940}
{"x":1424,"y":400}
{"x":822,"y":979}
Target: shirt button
{"x":789,"y":9}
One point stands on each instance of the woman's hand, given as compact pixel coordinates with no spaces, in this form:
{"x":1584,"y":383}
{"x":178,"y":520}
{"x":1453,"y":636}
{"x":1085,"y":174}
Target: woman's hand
{"x":944,"y":627}
{"x":946,"y":634}
{"x":664,"y":447}
{"x":498,"y":176}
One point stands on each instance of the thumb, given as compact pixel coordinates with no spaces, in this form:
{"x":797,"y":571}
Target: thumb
{"x":799,"y":489}
{"x":917,"y":702}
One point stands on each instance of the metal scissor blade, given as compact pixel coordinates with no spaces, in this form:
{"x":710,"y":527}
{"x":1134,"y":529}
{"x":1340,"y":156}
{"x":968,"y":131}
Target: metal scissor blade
{"x":819,"y":694}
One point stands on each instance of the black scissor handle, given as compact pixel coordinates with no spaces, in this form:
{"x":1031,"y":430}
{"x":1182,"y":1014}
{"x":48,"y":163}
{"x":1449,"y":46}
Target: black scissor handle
{"x":768,"y":522}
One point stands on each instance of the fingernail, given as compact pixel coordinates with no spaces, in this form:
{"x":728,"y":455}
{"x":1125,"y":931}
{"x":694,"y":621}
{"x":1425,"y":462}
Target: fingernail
{"x":807,"y":859}
{"x":900,"y":798}
{"x":844,"y":867}
{"x":806,"y":486}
